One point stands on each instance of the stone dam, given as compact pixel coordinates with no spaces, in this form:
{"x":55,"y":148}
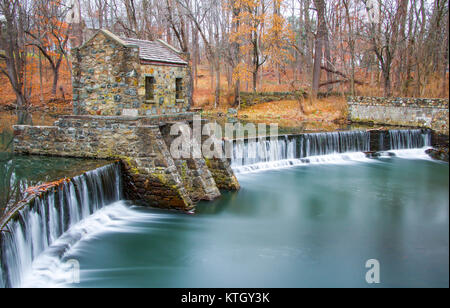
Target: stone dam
{"x":142,"y":145}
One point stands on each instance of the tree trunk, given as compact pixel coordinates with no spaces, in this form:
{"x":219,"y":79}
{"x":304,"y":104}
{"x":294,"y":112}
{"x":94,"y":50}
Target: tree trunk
{"x":237,"y":94}
{"x":255,"y":79}
{"x":328,"y":60}
{"x":55,"y":81}
{"x":387,"y":83}
{"x":351,"y":44}
{"x":236,"y":55}
{"x":308,"y":39}
{"x":12,"y":42}
{"x":40,"y":79}
{"x":320,"y":37}
{"x":217,"y":96}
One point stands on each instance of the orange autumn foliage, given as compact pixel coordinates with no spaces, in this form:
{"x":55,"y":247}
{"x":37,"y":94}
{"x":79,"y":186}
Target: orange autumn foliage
{"x":44,"y":187}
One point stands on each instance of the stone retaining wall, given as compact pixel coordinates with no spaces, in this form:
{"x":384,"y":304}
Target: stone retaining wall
{"x":151,"y":174}
{"x":412,"y":112}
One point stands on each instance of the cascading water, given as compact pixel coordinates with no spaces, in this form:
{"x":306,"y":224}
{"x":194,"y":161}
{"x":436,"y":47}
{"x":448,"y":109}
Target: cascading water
{"x":409,"y":139}
{"x":38,"y":225}
{"x":409,"y":144}
{"x":284,"y":151}
{"x":334,"y":147}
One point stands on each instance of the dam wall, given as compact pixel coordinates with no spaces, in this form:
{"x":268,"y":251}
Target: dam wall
{"x":151,"y":175}
{"x":409,"y":112}
{"x":36,"y":223}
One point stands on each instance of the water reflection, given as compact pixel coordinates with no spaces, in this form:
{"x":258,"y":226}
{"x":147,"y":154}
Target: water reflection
{"x":18,"y":173}
{"x":9,"y":188}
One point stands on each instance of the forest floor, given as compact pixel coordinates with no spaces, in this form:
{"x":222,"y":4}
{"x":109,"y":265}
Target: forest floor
{"x":287,"y":113}
{"x":330,"y":112}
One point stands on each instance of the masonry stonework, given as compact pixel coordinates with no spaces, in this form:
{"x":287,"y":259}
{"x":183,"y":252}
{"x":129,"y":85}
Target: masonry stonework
{"x":151,"y":175}
{"x":413,"y":112}
{"x":165,"y":99}
{"x":105,"y":77}
{"x":109,"y":79}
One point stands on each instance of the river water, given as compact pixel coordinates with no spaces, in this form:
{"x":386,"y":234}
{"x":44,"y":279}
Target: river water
{"x":17,"y":173}
{"x":305,"y":226}
{"x":298,"y":221}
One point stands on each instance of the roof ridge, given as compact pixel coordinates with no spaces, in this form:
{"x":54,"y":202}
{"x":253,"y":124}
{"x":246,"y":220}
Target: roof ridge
{"x":135,"y":39}
{"x":169,"y":46}
{"x":105,"y":32}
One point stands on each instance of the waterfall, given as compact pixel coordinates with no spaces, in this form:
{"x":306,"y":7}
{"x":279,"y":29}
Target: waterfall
{"x":283,"y":151}
{"x":409,"y":139}
{"x":37,"y":225}
{"x":251,"y":155}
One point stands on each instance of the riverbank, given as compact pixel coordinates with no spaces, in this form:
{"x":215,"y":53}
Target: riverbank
{"x":325,"y":152}
{"x":329,"y":113}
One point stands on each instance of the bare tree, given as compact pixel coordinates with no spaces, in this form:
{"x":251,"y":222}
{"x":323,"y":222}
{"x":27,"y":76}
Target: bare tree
{"x":51,"y":35}
{"x":319,"y":45}
{"x":13,"y":43}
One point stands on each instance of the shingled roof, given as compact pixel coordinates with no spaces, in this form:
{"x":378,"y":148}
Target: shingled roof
{"x":154,"y":51}
{"x":157,"y":51}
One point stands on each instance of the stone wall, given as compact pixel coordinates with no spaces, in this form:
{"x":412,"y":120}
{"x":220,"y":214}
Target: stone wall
{"x":165,"y":95}
{"x":425,"y":113}
{"x":199,"y":181}
{"x":151,"y":175}
{"x":109,"y":80}
{"x":105,"y":77}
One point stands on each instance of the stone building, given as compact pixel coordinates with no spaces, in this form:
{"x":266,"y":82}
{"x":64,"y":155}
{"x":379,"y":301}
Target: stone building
{"x":121,"y":76}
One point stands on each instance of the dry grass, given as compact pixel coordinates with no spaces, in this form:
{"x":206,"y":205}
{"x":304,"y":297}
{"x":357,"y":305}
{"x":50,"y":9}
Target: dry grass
{"x":332,"y":109}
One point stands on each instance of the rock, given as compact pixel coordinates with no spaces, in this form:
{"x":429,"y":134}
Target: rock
{"x":441,"y":153}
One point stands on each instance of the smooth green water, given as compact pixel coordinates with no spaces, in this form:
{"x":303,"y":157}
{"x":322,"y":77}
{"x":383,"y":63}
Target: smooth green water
{"x":18,"y":173}
{"x":310,"y":226}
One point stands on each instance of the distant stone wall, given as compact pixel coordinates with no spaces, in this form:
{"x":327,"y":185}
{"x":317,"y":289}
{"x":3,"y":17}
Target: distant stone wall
{"x":413,"y":112}
{"x":109,"y":80}
{"x":151,"y":174}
